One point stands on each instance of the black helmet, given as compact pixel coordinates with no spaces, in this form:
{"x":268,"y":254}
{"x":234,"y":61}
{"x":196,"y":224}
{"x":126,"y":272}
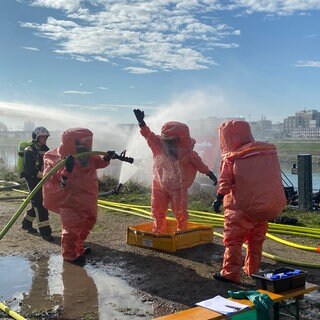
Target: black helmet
{"x":38,"y":132}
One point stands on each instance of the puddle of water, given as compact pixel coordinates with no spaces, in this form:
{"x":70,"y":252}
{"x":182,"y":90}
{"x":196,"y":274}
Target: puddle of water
{"x":16,"y":276}
{"x":51,"y":283}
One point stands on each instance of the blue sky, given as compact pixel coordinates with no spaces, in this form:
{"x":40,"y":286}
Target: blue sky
{"x":94,"y":61}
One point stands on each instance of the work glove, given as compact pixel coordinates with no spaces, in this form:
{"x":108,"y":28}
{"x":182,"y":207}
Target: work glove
{"x":265,"y":301}
{"x":217,"y":203}
{"x":241,"y":294}
{"x":109,"y":155}
{"x":213,"y":178}
{"x":262,"y":302}
{"x":69,"y":164}
{"x":139,"y":116}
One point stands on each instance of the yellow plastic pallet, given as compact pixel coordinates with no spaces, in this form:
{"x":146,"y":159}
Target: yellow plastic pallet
{"x":172,"y":240}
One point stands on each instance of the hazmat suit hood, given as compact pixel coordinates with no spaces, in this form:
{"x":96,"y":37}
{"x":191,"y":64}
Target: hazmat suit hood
{"x":233,"y":135}
{"x":176,"y":138}
{"x":75,"y":140}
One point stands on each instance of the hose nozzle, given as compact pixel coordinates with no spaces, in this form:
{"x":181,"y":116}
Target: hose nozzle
{"x":115,"y":190}
{"x":123,"y":157}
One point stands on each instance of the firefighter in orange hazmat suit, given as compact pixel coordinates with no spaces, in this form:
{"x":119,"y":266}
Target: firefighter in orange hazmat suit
{"x":72,"y":191}
{"x":174,"y":169}
{"x":251,"y":189}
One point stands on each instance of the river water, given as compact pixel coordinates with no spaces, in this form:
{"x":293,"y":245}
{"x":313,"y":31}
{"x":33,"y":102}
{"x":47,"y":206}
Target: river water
{"x":293,"y":178}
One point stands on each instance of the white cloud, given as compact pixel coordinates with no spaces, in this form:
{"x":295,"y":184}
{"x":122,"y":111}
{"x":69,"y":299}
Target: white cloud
{"x":31,"y":48}
{"x":68,"y":5}
{"x":147,"y":36}
{"x":77,"y":92}
{"x":102,"y":59}
{"x":310,"y":63}
{"x":80,"y":58}
{"x":276,"y":7}
{"x":139,"y":70}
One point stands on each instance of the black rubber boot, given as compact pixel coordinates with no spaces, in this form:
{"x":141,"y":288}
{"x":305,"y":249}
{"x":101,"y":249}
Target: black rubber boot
{"x":48,"y":237}
{"x":218,"y":276}
{"x":27,"y":226}
{"x":80,"y":261}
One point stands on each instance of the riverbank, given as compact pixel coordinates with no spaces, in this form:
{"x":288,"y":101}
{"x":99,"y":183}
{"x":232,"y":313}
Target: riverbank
{"x":162,"y":283}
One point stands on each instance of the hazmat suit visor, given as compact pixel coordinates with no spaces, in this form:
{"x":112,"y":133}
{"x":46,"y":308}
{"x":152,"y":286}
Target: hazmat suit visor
{"x":175,"y":137}
{"x":170,"y":146}
{"x":83,"y":145}
{"x":75,"y":140}
{"x":233,"y":135}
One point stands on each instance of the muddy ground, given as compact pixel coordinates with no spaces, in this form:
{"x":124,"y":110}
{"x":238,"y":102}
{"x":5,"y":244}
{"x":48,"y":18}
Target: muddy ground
{"x":169,"y":282}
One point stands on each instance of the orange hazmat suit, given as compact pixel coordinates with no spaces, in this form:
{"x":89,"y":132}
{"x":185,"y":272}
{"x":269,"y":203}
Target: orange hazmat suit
{"x":252,"y":190}
{"x":174,"y":170}
{"x":76,"y":201}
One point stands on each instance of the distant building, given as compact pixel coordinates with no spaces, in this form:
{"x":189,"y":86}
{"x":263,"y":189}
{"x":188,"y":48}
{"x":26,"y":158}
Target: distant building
{"x":261,"y":129}
{"x":304,"y":124}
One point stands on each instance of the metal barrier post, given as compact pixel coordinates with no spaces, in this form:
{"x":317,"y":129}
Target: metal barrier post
{"x":305,"y":182}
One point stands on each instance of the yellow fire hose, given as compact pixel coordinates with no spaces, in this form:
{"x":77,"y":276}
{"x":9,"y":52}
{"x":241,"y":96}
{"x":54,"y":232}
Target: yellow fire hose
{"x":197,"y":216}
{"x":217,"y":220}
{"x":202,"y":217}
{"x":279,"y":259}
{"x":296,"y":245}
{"x":10,"y":312}
{"x":137,"y":211}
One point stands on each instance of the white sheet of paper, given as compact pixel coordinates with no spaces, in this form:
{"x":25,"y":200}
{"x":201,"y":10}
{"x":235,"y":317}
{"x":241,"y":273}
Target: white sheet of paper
{"x":222,"y":305}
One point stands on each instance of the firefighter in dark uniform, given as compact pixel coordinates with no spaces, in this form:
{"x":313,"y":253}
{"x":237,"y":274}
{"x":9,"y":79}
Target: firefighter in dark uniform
{"x":33,"y":167}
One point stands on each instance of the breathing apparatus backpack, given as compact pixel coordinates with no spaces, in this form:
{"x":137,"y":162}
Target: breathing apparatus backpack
{"x":20,"y":162}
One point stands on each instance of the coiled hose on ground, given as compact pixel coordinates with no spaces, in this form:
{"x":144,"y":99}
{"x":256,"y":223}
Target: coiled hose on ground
{"x":216,"y":220}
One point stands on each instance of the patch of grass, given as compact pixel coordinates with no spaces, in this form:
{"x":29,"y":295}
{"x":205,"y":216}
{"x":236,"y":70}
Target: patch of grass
{"x":130,"y":192}
{"x":9,"y":176}
{"x":310,"y":219}
{"x":133,"y":198}
{"x":201,"y":201}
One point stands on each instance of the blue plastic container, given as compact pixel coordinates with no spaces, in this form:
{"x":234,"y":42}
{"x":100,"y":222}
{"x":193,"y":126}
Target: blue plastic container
{"x":280,"y":280}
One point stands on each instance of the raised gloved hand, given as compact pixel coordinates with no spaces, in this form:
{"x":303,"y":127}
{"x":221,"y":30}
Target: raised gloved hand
{"x":109,"y":155}
{"x":139,"y":116}
{"x":69,"y":164}
{"x":217,"y":203}
{"x":213,"y":178}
